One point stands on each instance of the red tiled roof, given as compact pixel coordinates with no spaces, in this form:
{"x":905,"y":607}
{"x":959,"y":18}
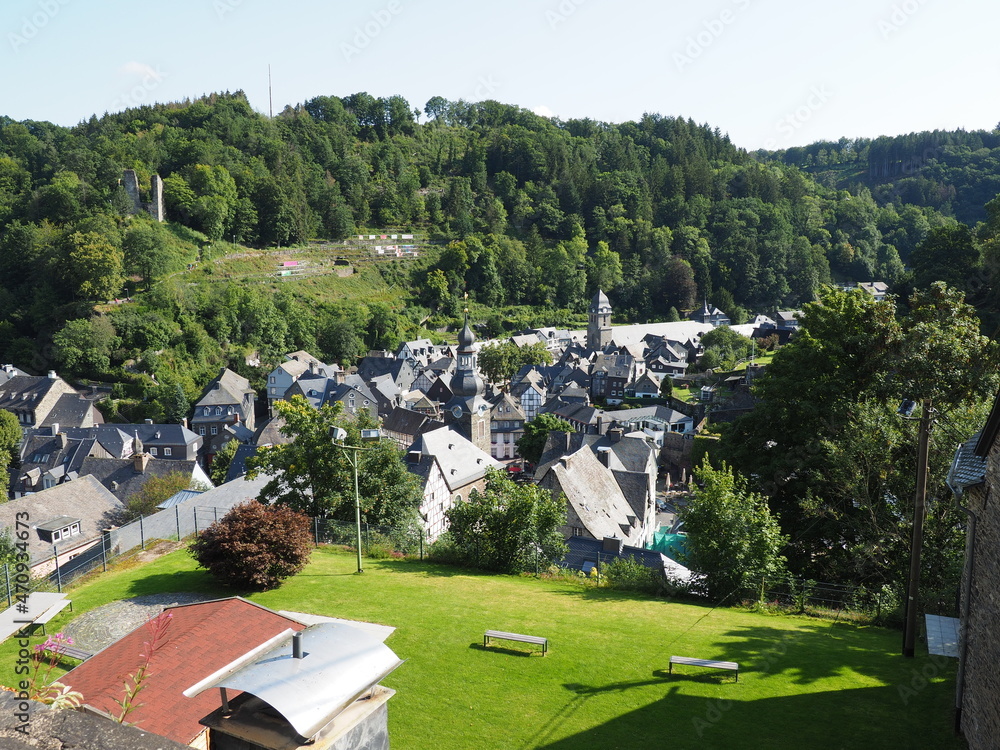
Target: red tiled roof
{"x":200,"y":639}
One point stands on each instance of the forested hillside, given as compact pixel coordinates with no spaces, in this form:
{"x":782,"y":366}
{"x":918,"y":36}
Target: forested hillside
{"x":957,"y":173}
{"x":660,"y":213}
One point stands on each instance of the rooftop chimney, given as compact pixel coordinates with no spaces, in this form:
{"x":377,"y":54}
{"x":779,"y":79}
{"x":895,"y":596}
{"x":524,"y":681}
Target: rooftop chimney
{"x":54,"y":428}
{"x":52,"y":374}
{"x":147,"y":421}
{"x":139,"y":462}
{"x":569,"y":440}
{"x":297,"y":645}
{"x":184,"y":422}
{"x":604,"y":454}
{"x":615,"y":434}
{"x":63,"y":440}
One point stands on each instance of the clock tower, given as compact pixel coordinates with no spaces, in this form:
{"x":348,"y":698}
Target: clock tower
{"x":467,"y":409}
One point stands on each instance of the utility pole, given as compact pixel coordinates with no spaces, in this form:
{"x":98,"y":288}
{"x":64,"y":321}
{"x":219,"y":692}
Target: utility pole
{"x":920,"y":500}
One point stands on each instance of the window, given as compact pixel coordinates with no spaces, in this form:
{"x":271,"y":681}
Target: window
{"x":201,"y":429}
{"x":215,"y":429}
{"x":74,"y":529}
{"x":577,"y":531}
{"x":274,"y":391}
{"x":56,"y":536}
{"x":152,"y":451}
{"x":167,"y":452}
{"x":272,"y":378}
{"x":218,"y":410}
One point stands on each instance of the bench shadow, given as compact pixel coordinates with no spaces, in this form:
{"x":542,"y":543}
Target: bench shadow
{"x":716,"y":678}
{"x":504,"y":650}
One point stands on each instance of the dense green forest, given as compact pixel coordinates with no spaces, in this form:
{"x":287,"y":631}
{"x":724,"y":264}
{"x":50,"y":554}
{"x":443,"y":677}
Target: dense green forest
{"x":955,"y":172}
{"x":530,"y":216}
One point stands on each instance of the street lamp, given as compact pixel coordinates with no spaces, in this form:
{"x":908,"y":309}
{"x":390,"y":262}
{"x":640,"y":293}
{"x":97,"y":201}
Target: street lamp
{"x":338,"y":435}
{"x":920,"y":500}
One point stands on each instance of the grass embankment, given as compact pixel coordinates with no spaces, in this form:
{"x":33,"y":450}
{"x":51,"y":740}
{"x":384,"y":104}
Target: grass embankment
{"x":803,"y":683}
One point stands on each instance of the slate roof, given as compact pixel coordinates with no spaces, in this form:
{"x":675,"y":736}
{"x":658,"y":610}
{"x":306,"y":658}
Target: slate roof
{"x":460,"y":460}
{"x":200,"y":639}
{"x":593,"y":493}
{"x":581,"y":549}
{"x":72,"y":410}
{"x":22,"y":390}
{"x":967,"y":468}
{"x":122,"y":479}
{"x":270,"y":433}
{"x":83,"y":498}
{"x":158,"y":434}
{"x":408,"y":422}
{"x":228,"y":389}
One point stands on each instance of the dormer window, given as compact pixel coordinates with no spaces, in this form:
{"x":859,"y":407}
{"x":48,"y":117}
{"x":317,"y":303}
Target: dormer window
{"x":59,"y":529}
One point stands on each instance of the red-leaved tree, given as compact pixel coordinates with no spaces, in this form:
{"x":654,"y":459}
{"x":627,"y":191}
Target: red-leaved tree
{"x":255,"y":546}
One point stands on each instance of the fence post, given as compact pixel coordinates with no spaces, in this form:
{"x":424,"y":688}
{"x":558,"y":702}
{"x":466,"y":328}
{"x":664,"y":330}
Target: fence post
{"x":58,"y":575}
{"x":6,"y":574}
{"x":142,"y":537}
{"x":421,"y":543}
{"x":316,"y":531}
{"x":177,"y":516}
{"x":104,"y":551}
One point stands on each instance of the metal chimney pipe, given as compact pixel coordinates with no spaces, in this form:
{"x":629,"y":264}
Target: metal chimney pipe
{"x":297,"y":645}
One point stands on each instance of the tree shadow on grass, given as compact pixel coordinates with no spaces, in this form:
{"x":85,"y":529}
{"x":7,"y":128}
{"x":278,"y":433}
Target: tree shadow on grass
{"x":195,"y":581}
{"x":428,"y":567}
{"x":810,"y":652}
{"x":808,"y":720}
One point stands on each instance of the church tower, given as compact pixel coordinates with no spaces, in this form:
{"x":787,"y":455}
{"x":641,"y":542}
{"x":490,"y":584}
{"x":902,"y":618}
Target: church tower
{"x":599,"y":322}
{"x":467,"y":409}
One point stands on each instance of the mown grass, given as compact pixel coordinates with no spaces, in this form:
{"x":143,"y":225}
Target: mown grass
{"x":803,"y":683}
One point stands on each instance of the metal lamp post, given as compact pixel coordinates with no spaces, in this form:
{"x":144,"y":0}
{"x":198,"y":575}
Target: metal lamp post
{"x":920,"y":500}
{"x":339,"y":435}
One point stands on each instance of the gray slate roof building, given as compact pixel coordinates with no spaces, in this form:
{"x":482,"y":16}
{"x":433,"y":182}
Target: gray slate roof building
{"x":83,"y":503}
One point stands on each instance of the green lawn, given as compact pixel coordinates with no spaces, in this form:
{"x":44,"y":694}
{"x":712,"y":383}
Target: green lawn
{"x":804,"y":683}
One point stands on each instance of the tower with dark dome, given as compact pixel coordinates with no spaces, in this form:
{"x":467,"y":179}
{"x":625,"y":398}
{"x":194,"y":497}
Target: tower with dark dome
{"x":467,"y":409}
{"x":599,"y":322}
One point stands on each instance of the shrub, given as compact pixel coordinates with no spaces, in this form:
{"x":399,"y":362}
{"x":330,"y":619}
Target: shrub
{"x":255,"y":546}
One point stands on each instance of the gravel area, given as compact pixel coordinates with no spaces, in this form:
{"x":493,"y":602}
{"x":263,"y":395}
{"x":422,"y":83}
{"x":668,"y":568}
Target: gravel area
{"x":99,"y":628}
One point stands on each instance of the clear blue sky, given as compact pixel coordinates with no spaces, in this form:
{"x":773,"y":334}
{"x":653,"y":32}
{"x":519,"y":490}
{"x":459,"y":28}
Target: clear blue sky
{"x":771,"y":73}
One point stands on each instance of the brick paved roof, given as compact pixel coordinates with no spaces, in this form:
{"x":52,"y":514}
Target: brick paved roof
{"x":200,"y":639}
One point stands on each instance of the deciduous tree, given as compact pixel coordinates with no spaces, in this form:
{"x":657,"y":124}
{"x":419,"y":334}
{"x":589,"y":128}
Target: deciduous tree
{"x":508,"y":527}
{"x":255,"y":546}
{"x":732,"y":539}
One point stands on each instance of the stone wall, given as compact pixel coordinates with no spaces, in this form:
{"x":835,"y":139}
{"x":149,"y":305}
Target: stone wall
{"x":980,"y":720}
{"x":155,"y":208}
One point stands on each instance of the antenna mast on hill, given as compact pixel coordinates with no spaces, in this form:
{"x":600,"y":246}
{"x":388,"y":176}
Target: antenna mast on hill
{"x":270,"y":100}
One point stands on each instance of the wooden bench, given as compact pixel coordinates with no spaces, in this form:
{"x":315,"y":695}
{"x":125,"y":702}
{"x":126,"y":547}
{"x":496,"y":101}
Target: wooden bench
{"x":52,"y":612}
{"x":731,"y":665}
{"x":75,"y":653}
{"x":543,"y":642}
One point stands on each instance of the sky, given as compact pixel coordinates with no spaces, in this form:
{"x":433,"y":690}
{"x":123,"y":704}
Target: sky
{"x":770,"y":73}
